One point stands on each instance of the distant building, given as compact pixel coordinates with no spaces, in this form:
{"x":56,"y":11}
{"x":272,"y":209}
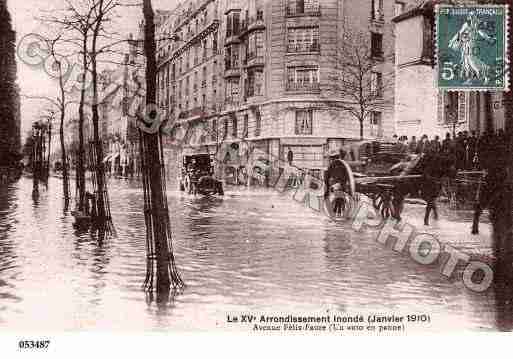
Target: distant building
{"x":420,"y":108}
{"x":262,"y":71}
{"x":10,"y":120}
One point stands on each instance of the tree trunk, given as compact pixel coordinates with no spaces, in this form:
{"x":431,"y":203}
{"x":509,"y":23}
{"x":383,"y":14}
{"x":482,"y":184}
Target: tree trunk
{"x":80,"y":171}
{"x":502,"y":216}
{"x":361,"y":129}
{"x":99,"y":167}
{"x":64,"y":159}
{"x":49,"y":145}
{"x":158,"y":219}
{"x":65,"y":168}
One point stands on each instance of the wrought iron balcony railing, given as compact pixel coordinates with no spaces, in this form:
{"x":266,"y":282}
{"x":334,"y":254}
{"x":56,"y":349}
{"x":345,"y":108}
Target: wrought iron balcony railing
{"x":313,"y":10}
{"x":313,"y":47}
{"x":306,"y":86}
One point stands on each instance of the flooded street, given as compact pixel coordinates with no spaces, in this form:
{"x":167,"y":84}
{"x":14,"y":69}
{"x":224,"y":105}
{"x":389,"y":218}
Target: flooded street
{"x":251,"y":251}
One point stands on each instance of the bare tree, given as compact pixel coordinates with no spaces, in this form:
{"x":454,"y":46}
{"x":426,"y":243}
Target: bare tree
{"x":156,"y":208}
{"x":360,"y":80}
{"x":76,"y":20}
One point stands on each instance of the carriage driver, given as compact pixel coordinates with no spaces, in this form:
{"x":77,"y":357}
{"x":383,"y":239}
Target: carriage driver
{"x":336,"y":172}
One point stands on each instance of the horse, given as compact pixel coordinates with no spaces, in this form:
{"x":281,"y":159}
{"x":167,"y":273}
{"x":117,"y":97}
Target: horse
{"x":433,"y":167}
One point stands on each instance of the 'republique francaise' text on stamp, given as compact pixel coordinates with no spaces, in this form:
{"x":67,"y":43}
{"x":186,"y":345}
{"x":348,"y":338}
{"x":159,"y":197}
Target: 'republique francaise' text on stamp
{"x":471,"y":43}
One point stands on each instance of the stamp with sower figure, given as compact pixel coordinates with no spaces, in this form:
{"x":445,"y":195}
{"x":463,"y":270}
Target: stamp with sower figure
{"x":472,"y":48}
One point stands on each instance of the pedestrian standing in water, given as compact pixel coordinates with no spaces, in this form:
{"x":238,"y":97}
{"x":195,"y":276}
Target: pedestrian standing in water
{"x":290,"y":157}
{"x":435,"y":145}
{"x":412,"y":146}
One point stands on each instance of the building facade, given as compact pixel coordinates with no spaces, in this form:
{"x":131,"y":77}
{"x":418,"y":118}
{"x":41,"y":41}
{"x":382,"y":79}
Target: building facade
{"x":420,"y":108}
{"x":264,"y":73}
{"x":10,"y":121}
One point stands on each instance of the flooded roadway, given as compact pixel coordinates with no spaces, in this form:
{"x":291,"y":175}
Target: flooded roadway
{"x":251,"y":251}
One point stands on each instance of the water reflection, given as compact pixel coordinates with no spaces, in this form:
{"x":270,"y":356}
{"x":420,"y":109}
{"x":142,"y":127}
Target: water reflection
{"x":252,"y":250}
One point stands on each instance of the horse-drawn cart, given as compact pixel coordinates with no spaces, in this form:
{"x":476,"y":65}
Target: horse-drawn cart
{"x":417,"y":177}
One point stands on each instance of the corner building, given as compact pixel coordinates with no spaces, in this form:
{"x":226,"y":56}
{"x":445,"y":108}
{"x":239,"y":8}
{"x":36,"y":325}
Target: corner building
{"x":262,"y":71}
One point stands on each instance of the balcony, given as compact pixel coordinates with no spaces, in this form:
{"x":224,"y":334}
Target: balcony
{"x":232,"y":72}
{"x":194,"y":112}
{"x":314,"y":10}
{"x":232,"y":37}
{"x":314,"y":47}
{"x":303,"y":87}
{"x":254,"y":60}
{"x":256,"y":22}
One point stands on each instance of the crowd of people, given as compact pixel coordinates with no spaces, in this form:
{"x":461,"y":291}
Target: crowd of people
{"x":469,"y":151}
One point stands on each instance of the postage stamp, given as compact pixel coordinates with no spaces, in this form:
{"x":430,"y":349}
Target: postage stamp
{"x":472,"y":47}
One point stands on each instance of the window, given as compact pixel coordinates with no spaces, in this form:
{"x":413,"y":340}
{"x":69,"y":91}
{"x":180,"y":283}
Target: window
{"x":232,"y":90}
{"x":232,"y":23}
{"x":204,"y":77}
{"x":232,"y":57}
{"x":377,"y":10}
{"x":204,"y":101}
{"x":234,"y":126}
{"x":376,"y":124}
{"x":195,"y":81}
{"x":225,"y":128}
{"x":214,"y":43}
{"x":213,"y":134}
{"x":255,"y":82}
{"x":304,"y":122}
{"x":376,"y":44}
{"x":304,"y":39}
{"x":258,"y":123}
{"x":302,"y":78}
{"x":302,"y":7}
{"x":451,"y":101}
{"x":245,"y":124}
{"x":399,"y":8}
{"x":255,"y":44}
{"x":376,"y":85}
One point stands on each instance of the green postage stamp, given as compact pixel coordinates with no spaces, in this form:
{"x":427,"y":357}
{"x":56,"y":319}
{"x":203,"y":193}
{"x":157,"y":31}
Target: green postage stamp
{"x":471,"y":43}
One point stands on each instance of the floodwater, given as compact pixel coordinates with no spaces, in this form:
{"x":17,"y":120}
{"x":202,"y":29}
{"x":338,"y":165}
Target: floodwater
{"x":253,"y":251}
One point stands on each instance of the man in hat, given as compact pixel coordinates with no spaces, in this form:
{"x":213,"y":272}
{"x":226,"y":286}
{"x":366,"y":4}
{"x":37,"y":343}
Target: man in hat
{"x":336,"y":172}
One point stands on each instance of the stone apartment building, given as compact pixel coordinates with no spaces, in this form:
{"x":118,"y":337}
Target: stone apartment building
{"x":262,"y":71}
{"x":420,"y":108}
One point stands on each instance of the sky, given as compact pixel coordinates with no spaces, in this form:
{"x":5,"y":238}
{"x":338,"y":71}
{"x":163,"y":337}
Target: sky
{"x":34,"y":81}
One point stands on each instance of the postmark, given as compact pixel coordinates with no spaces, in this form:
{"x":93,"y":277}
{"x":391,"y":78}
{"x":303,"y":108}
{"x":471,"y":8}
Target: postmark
{"x":472,"y":47}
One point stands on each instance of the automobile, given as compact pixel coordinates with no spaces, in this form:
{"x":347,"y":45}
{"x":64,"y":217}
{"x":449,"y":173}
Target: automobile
{"x":197,"y":175}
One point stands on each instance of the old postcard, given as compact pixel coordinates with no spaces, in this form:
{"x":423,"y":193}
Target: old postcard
{"x":314,"y":167}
